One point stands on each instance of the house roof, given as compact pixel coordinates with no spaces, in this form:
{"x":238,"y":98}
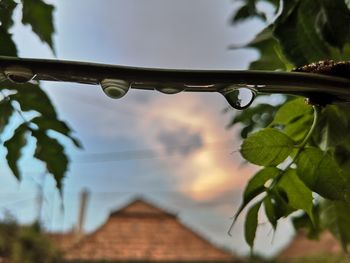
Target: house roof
{"x":142,"y":232}
{"x":301,"y":246}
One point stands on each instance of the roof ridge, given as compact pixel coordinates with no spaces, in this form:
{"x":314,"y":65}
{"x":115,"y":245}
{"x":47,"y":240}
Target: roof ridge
{"x":152,"y":208}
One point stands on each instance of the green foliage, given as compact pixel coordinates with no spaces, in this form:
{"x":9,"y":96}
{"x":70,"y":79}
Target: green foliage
{"x":51,"y":152}
{"x":25,"y":244}
{"x":315,"y":143}
{"x":319,"y":171}
{"x":14,"y":146}
{"x":251,"y":224}
{"x":267,"y":147}
{"x":336,"y":218}
{"x":256,"y":186}
{"x":22,"y":98}
{"x":298,"y":195}
{"x":38,"y":14}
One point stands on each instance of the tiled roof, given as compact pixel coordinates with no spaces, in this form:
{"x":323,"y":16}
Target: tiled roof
{"x":301,"y":246}
{"x":143,"y":232}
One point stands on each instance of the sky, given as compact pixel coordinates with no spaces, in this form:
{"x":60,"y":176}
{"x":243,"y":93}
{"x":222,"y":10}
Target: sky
{"x":173,"y":150}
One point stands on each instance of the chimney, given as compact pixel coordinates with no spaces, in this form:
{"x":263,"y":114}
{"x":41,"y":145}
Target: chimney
{"x":84,"y":196}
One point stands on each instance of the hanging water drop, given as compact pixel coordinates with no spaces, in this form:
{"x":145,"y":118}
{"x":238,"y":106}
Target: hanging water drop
{"x":168,"y":89}
{"x":18,"y":74}
{"x":115,"y":88}
{"x":238,"y":97}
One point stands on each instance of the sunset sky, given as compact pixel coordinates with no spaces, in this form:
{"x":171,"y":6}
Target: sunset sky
{"x":173,"y":150}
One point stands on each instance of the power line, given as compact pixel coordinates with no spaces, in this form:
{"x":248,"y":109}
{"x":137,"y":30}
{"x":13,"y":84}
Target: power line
{"x":127,"y":155}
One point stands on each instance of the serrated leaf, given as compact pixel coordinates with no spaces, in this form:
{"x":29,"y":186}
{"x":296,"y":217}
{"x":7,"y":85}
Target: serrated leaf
{"x":6,"y":10}
{"x":333,"y":125}
{"x":298,"y":36}
{"x":251,"y":224}
{"x":268,"y":48}
{"x":295,"y":117}
{"x":256,"y":186}
{"x":333,"y":22}
{"x":335,"y":216}
{"x":268,"y":147}
{"x":299,"y":196}
{"x":45,"y":124}
{"x":7,"y":46}
{"x":51,"y":152}
{"x":14,"y":146}
{"x":319,"y":171}
{"x":6,"y":111}
{"x":291,"y":111}
{"x":32,"y":97}
{"x":248,"y":10}
{"x":39,"y":16}
{"x":298,"y":129}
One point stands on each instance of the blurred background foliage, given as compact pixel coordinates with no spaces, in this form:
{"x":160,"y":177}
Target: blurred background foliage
{"x":25,"y":244}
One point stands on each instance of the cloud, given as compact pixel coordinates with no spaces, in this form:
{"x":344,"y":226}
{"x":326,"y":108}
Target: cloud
{"x":182,"y":141}
{"x":205,"y":167}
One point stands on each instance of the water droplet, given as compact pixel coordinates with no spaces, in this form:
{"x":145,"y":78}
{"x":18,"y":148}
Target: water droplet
{"x":115,"y":88}
{"x":18,"y":74}
{"x":169,"y":89}
{"x":238,"y":97}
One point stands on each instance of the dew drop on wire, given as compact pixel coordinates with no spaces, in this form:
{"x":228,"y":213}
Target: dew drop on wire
{"x":18,"y":74}
{"x":238,"y":97}
{"x":169,"y":89}
{"x":115,"y":88}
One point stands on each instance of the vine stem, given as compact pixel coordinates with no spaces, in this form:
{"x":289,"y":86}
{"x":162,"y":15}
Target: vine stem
{"x":301,"y":146}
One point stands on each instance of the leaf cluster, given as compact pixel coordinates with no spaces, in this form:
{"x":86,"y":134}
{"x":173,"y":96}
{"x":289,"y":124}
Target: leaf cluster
{"x":20,"y":99}
{"x":305,"y":157}
{"x":305,"y":166}
{"x":25,"y":244}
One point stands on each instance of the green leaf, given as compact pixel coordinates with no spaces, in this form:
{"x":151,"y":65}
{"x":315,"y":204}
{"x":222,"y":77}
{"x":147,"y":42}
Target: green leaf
{"x":32,"y":97}
{"x":268,"y":47}
{"x":333,"y":125}
{"x":319,"y":171}
{"x":298,"y":129}
{"x":254,"y":117}
{"x":6,"y":111}
{"x":268,"y":147}
{"x":335,"y":215}
{"x":251,"y":224}
{"x":7,"y":46}
{"x":248,"y":10}
{"x":51,"y":152}
{"x":333,"y":22}
{"x":279,"y":200}
{"x":6,"y":10}
{"x":256,"y":186}
{"x":291,"y":111}
{"x":298,"y":36}
{"x":39,"y":16}
{"x":14,"y":146}
{"x":299,"y":196}
{"x":45,"y":124}
{"x":270,"y":211}
{"x":295,"y":117}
